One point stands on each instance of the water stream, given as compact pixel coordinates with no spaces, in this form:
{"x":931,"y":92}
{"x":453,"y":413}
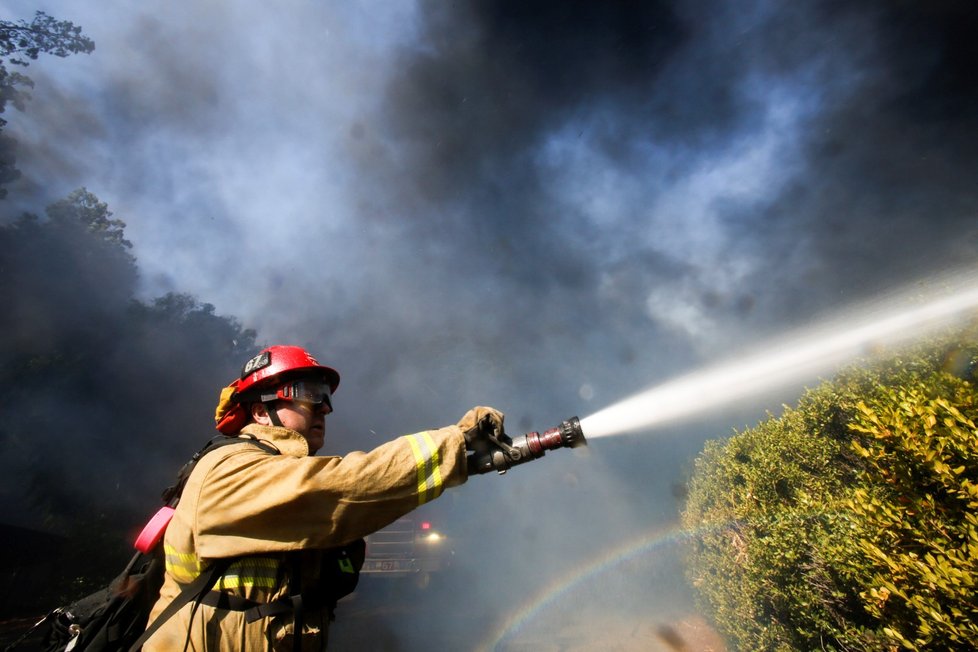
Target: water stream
{"x":796,"y":358}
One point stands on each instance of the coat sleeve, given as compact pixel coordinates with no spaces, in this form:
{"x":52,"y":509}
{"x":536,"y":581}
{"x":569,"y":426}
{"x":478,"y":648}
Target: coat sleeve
{"x":251,"y":502}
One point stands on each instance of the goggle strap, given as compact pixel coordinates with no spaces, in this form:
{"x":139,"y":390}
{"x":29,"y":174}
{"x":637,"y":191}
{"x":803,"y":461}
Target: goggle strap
{"x":272,"y":414}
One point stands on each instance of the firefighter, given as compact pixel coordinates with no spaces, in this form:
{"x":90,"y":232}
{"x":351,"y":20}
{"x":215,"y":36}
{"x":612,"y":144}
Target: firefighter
{"x":291,"y":523}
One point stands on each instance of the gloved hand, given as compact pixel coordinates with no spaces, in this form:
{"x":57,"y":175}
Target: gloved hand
{"x":479,"y":423}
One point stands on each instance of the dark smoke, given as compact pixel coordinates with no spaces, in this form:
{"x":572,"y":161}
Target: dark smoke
{"x":882,"y":193}
{"x":496,"y":77}
{"x":887,"y":196}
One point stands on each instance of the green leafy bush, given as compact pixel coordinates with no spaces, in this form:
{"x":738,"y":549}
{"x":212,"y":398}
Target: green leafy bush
{"x":849,"y":522}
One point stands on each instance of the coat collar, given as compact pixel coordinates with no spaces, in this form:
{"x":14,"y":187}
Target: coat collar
{"x":288,"y":442}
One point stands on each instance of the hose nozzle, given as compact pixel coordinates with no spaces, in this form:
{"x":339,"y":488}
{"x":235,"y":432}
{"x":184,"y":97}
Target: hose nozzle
{"x":499,"y":455}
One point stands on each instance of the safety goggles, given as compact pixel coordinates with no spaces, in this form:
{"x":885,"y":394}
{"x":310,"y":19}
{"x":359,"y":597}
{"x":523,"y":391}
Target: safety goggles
{"x":316,"y":392}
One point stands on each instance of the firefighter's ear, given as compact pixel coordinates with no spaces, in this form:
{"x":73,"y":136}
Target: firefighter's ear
{"x":259,"y":414}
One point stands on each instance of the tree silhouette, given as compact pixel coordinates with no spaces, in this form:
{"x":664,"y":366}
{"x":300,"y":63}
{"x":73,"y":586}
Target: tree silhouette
{"x":104,"y":396}
{"x":85,"y":208}
{"x":20,"y":43}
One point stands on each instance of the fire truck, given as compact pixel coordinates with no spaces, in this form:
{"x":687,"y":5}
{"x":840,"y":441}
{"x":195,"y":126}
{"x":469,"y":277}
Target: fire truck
{"x":409,"y":549}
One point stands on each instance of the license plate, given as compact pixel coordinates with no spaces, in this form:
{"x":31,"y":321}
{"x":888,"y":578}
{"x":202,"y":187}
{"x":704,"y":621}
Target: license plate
{"x":384,"y":565}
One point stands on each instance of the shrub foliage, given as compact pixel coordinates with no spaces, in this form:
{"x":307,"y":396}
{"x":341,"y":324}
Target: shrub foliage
{"x":850,"y":521}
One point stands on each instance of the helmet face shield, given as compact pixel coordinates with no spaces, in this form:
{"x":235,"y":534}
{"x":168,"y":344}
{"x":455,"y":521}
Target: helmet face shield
{"x":316,"y":392}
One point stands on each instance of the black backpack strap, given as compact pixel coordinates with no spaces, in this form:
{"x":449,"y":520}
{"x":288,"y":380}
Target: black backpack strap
{"x":193,"y":591}
{"x":295,"y":595}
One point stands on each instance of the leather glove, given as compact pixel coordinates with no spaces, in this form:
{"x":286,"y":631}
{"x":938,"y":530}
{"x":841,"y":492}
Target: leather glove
{"x":479,"y":423}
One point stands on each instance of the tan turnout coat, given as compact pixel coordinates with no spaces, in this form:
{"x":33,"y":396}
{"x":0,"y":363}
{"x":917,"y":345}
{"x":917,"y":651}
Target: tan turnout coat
{"x":242,"y":501}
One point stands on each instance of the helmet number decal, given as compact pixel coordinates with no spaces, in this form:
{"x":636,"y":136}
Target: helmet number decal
{"x":260,"y":361}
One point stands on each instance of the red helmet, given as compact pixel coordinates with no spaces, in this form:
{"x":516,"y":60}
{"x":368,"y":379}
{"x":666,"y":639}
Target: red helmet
{"x":273,"y":366}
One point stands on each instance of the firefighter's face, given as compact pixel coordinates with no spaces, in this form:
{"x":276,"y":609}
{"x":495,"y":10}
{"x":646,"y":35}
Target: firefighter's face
{"x":307,"y":419}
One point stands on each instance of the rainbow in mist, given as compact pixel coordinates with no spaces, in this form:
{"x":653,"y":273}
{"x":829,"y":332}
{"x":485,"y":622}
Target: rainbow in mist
{"x":645,"y":543}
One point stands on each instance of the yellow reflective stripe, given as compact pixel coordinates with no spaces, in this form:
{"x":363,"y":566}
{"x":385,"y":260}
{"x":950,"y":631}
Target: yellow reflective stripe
{"x":183,"y":566}
{"x":419,"y":461}
{"x":428,"y":462}
{"x":262,"y":572}
{"x":245,"y":582}
{"x":435,"y":464}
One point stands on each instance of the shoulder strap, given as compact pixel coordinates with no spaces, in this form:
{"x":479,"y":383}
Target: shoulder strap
{"x":194,"y":590}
